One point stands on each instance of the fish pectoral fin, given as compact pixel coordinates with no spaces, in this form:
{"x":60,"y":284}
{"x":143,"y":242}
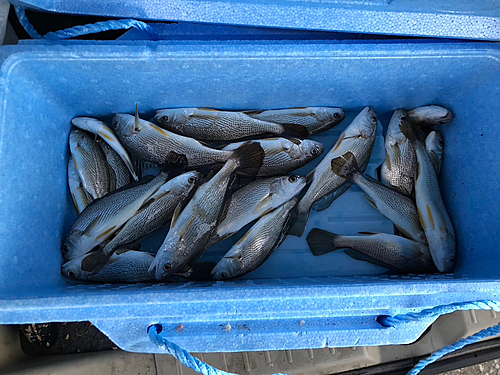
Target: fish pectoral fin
{"x":354,"y":254}
{"x":263,"y":203}
{"x":91,"y":226}
{"x":371,"y":202}
{"x":105,"y":234}
{"x":431,"y":217}
{"x":175,"y":216}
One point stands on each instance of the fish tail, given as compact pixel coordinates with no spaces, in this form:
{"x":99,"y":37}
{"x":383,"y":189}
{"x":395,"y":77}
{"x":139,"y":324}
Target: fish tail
{"x":249,"y":157}
{"x":95,"y":261}
{"x":174,"y":164}
{"x":294,"y":130}
{"x":321,"y":241}
{"x":298,"y":220}
{"x":345,"y":166}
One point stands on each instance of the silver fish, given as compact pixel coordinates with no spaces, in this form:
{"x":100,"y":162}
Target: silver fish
{"x":284,"y":155}
{"x":397,"y":207}
{"x":100,"y":128}
{"x":78,"y":193}
{"x":119,"y":175}
{"x":434,"y":144}
{"x":155,"y":213}
{"x":256,"y":199}
{"x":431,"y":209}
{"x":257,"y":245}
{"x":359,"y":137}
{"x":103,"y":217}
{"x":400,"y":165}
{"x":213,"y":125}
{"x":385,"y":250}
{"x":90,"y":163}
{"x":315,"y":119}
{"x":430,"y":115}
{"x":124,"y":266}
{"x":191,"y":229}
{"x":151,"y":143}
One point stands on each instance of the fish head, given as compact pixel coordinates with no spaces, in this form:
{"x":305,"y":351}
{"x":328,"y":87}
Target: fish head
{"x":330,"y":114}
{"x":72,"y":269}
{"x":76,"y":136}
{"x":311,"y":149}
{"x":227,"y":268}
{"x":73,"y":246}
{"x":184,"y":183}
{"x":435,"y":114}
{"x":287,"y":187}
{"x":173,"y":115}
{"x":435,"y":143}
{"x":170,"y":258}
{"x":126,"y":125}
{"x":364,"y":125}
{"x":394,"y":134}
{"x":443,"y":254}
{"x":87,"y":123}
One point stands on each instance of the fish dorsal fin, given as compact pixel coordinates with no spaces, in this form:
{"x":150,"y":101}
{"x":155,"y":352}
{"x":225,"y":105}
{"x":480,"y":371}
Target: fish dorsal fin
{"x":263,"y":203}
{"x":176,"y":214}
{"x":137,"y":119}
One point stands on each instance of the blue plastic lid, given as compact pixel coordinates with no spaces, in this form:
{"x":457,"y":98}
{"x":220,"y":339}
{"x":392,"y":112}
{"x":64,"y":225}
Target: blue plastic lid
{"x":468,"y":19}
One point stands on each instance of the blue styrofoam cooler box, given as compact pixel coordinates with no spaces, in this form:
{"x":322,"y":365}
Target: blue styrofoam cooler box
{"x":469,"y":19}
{"x":44,"y":86}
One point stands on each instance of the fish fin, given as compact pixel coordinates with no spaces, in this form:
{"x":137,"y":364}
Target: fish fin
{"x":294,"y":130}
{"x":175,"y":215}
{"x":253,"y":112}
{"x":327,"y":200}
{"x":174,"y":164}
{"x":250,"y":156}
{"x":297,"y":141}
{"x":388,"y":160}
{"x":434,"y":160}
{"x":209,"y":176}
{"x":310,"y":176}
{"x":104,"y":235}
{"x":91,"y":226}
{"x":263,"y":203}
{"x":199,"y":271}
{"x":95,"y":261}
{"x":354,"y":254}
{"x":321,"y":241}
{"x":431,"y":217}
{"x":413,"y":133}
{"x":345,"y":166}
{"x":371,"y":202}
{"x":403,"y":232}
{"x":367,"y":233}
{"x":244,"y":237}
{"x":298,"y":220}
{"x":137,"y":119}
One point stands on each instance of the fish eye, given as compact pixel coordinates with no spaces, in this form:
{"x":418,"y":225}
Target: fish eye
{"x":164,"y":118}
{"x":403,"y":118}
{"x":440,"y":143}
{"x":167,"y":267}
{"x":192,"y":180}
{"x":336,"y":116}
{"x":292,"y":179}
{"x":374,"y":118}
{"x":223,"y":276}
{"x":71,"y":273}
{"x":65,"y":249}
{"x":315,"y":151}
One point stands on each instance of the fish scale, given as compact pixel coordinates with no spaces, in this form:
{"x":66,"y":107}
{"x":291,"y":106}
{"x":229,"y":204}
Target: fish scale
{"x":90,"y":162}
{"x":117,"y":168}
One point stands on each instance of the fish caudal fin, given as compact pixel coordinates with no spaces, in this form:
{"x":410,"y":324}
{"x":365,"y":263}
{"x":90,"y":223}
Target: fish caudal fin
{"x":298,"y":221}
{"x":321,"y":241}
{"x":345,"y":166}
{"x":174,"y":164}
{"x":249,"y":156}
{"x":294,"y":130}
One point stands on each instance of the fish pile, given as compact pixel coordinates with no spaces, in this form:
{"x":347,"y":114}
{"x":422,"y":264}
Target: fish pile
{"x":225,"y":173}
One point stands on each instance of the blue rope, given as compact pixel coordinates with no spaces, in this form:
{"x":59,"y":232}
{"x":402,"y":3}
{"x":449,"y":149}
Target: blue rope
{"x":394,"y":321}
{"x":182,"y":355}
{"x":94,"y":28}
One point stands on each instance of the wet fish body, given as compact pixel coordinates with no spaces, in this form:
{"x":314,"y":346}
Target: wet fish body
{"x":284,"y":155}
{"x":434,"y":145}
{"x":397,"y":207}
{"x":103,"y":217}
{"x":119,"y":175}
{"x":90,"y":163}
{"x":100,"y":128}
{"x":430,"y":115}
{"x":431,"y":209}
{"x":257,"y":245}
{"x":359,"y":138}
{"x":125,"y":266}
{"x":191,"y":229}
{"x":315,"y":119}
{"x":385,"y":250}
{"x":151,"y":143}
{"x":400,"y":165}
{"x":213,"y":125}
{"x":78,"y":193}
